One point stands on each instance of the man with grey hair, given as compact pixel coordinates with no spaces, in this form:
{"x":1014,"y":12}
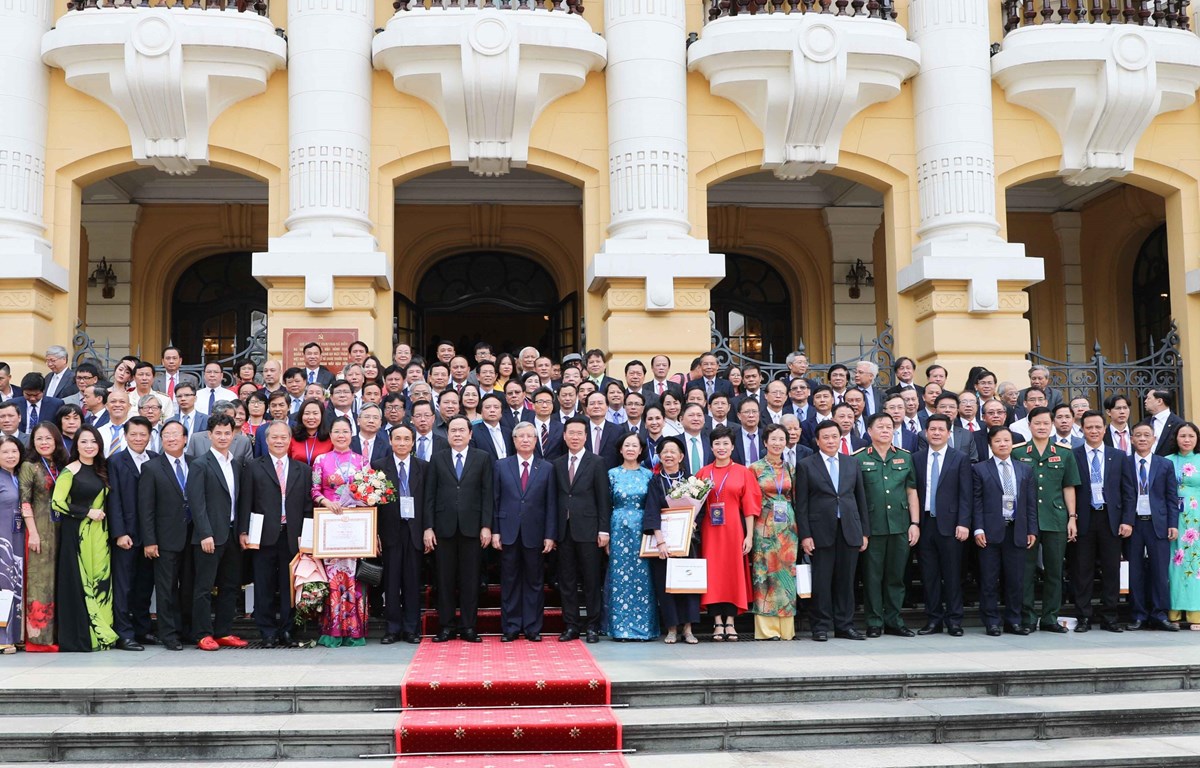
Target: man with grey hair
{"x":368,"y":443}
{"x":797,"y":363}
{"x":60,"y":382}
{"x":865,"y":372}
{"x":1039,"y":378}
{"x":241,"y":448}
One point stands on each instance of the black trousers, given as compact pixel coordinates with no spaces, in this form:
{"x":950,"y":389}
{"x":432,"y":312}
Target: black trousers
{"x":833,"y":570}
{"x":580,"y":562}
{"x":402,"y":587}
{"x":1098,"y":547}
{"x":272,"y":589}
{"x":1009,"y":556}
{"x":132,"y":585}
{"x":673,"y":609}
{"x":941,"y":574}
{"x":174,"y":575}
{"x":522,"y":595}
{"x":457,"y":559}
{"x":223,"y":570}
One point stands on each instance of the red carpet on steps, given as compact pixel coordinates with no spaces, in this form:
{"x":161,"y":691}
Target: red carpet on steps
{"x":464,"y":700}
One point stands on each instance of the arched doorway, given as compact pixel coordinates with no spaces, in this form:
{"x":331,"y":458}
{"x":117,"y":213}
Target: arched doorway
{"x":1151,"y":293}
{"x":502,"y":298}
{"x":753,"y":308}
{"x":216,"y":306}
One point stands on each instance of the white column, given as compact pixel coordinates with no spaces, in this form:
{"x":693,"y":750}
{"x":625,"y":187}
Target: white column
{"x":852,"y":235}
{"x":1068,"y":227}
{"x":329,"y":143}
{"x":646,"y":82}
{"x":24,"y":104}
{"x":110,"y":237}
{"x":956,"y":184}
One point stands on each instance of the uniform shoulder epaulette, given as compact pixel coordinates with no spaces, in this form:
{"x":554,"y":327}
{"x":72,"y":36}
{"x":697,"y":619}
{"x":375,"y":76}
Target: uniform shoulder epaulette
{"x":860,"y":450}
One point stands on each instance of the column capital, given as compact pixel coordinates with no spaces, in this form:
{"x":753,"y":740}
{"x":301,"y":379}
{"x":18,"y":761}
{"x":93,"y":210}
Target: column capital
{"x":319,"y":260}
{"x":980,"y":261}
{"x":659,"y":261}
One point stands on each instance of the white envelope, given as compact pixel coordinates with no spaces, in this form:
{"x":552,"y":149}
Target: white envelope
{"x":306,"y":536}
{"x":7,"y":597}
{"x":254,"y":536}
{"x":1124,"y":577}
{"x":803,"y":580}
{"x":687,"y":576}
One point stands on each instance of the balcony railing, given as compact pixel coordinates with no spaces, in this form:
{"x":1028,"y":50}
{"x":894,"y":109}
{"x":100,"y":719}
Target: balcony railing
{"x":1171,"y":14}
{"x":241,"y":6}
{"x":873,"y":9}
{"x":569,"y":6}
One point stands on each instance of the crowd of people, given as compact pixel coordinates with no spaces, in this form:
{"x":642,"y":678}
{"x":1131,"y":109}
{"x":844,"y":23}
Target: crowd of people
{"x":141,"y":483}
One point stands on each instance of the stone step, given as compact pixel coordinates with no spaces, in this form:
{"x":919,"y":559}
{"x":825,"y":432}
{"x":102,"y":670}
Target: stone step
{"x":932,"y":721}
{"x":1058,"y":753}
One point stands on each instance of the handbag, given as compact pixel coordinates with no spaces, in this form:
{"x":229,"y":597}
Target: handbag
{"x":369,"y":571}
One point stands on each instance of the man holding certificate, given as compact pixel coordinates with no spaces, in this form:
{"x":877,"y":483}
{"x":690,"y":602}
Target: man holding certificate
{"x":525,"y":527}
{"x":274,"y":501}
{"x":401,"y":534}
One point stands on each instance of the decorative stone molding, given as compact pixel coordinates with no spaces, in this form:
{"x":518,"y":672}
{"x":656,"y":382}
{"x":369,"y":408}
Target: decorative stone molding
{"x":1100,"y":86}
{"x":168,"y":72}
{"x":659,"y":261}
{"x":488,"y":73}
{"x":802,"y":77}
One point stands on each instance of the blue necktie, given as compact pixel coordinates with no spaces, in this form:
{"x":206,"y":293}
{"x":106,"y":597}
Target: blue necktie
{"x":935,"y":472}
{"x":423,"y":449}
{"x":1096,"y":475}
{"x":753,"y":448}
{"x":212,"y":399}
{"x":833,"y":478}
{"x":312,"y":377}
{"x":187,"y":510}
{"x":402,"y":477}
{"x":1143,"y":481}
{"x":33,"y":418}
{"x":458,"y":466}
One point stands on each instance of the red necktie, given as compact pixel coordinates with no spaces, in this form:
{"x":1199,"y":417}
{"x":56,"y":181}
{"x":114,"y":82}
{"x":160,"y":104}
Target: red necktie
{"x":845,"y":446}
{"x":661,"y":388}
{"x":971,"y":425}
{"x":1124,"y":443}
{"x":171,"y":387}
{"x":524,"y":475}
{"x":282,"y":487}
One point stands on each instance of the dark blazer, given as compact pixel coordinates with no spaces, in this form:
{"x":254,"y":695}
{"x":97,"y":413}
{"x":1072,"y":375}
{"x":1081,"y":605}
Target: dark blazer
{"x":954,"y":491}
{"x":705,"y":449}
{"x":66,"y":385}
{"x":988,"y":512}
{"x":439,"y":443}
{"x":650,"y":391}
{"x":981,"y":445}
{"x":817,"y":504}
{"x":761,"y":399}
{"x":720,"y":385}
{"x":481,"y":439}
{"x":163,"y":511}
{"x":47,"y":407}
{"x":259,"y":493}
{"x":379,"y":448}
{"x":588,"y":502}
{"x":900,"y":388}
{"x":393,"y":529}
{"x":199,"y":423}
{"x":554,"y":441}
{"x":209,"y":495}
{"x":964,"y":440}
{"x":610,"y":439}
{"x":324,"y":376}
{"x":873,"y":393}
{"x":506,"y":417}
{"x":100,"y":421}
{"x":908,"y":440}
{"x":531,"y":514}
{"x":1166,"y":441}
{"x":1163,"y":490}
{"x":739,"y":451}
{"x":1120,"y":489}
{"x":123,"y":477}
{"x":454,"y":506}
{"x":1112,"y":441}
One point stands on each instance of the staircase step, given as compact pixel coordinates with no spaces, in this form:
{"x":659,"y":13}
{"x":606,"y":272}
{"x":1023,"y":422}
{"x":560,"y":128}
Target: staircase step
{"x":487,"y":621}
{"x":509,"y":729}
{"x":194,"y":701}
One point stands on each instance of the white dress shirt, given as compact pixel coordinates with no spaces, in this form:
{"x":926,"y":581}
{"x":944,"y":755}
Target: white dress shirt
{"x":498,"y":441}
{"x":226,"y":464}
{"x":941,"y":463}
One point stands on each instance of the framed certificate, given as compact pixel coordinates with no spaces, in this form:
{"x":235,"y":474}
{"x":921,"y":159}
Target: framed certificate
{"x":677,"y":527}
{"x":350,"y":534}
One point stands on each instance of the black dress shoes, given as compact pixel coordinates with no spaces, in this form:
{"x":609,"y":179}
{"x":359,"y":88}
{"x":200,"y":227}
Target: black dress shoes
{"x":568,"y":634}
{"x":930,"y":629}
{"x":443,"y":636}
{"x":172,"y":645}
{"x":1134,"y":626}
{"x":471,"y":636}
{"x":1111,"y":626}
{"x":128,"y":645}
{"x":955,"y":631}
{"x":150,"y":639}
{"x":389,"y":638}
{"x":411,"y":637}
{"x":533,"y":637}
{"x":287,"y":641}
{"x":1057,"y":629}
{"x":1083,"y":625}
{"x":508,"y":637}
{"x":993,"y":631}
{"x":820,"y":637}
{"x":1016,"y":629}
{"x":1165,"y":626}
{"x":899,"y":631}
{"x":849,"y":634}
{"x":593,"y":636}
{"x":873,"y":632}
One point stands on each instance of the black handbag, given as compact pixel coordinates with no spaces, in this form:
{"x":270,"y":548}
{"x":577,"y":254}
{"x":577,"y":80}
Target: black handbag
{"x":369,"y":571}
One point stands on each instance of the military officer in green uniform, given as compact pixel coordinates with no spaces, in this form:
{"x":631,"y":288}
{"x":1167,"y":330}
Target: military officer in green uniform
{"x":890,"y":484}
{"x":1056,"y":474}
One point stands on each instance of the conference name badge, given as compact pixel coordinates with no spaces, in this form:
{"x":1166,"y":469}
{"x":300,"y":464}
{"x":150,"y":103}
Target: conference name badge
{"x":1143,"y":504}
{"x":779,"y":511}
{"x":1098,"y":493}
{"x":1008,"y":505}
{"x":716,"y":512}
{"x":407,"y":510}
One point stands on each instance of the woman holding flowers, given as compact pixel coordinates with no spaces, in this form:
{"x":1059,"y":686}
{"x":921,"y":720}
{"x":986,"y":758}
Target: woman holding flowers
{"x":344,"y":621}
{"x":1185,"y":557}
{"x":676,"y":612}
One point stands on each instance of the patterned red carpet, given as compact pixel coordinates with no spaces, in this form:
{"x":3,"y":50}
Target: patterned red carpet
{"x":466,"y":704}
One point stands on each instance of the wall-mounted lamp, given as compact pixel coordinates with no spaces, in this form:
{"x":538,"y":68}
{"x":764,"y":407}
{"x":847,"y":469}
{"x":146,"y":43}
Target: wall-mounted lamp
{"x":857,"y":276}
{"x":103,"y":274}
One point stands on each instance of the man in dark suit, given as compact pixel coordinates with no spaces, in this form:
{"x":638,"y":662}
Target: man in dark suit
{"x":594,"y":369}
{"x":132,"y":573}
{"x":34,"y":404}
{"x":1158,"y":406}
{"x":314,"y":372}
{"x":165,"y":521}
{"x":708,"y":380}
{"x":944,"y":495}
{"x":698,"y":451}
{"x":1104,"y":506}
{"x":279,"y":489}
{"x":401,"y":533}
{"x":658,"y":385}
{"x":369,"y":442}
{"x":604,"y":437}
{"x":747,"y":437}
{"x":893,"y":406}
{"x":428,"y":442}
{"x":905,"y":369}
{"x":549,"y":443}
{"x":60,"y":382}
{"x":514,"y":406}
{"x":524,"y":529}
{"x":865,"y":373}
{"x":994,"y":415}
{"x":213,"y":485}
{"x":752,"y":388}
{"x":834,"y":527}
{"x":490,"y":436}
{"x":584,"y":512}
{"x":457,"y":516}
{"x":1156,"y":525}
{"x":1004,"y":519}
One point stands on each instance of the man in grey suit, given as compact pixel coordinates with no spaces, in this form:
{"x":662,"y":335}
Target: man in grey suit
{"x":865,"y":372}
{"x":200,"y":443}
{"x":834,"y":526}
{"x":1039,"y":378}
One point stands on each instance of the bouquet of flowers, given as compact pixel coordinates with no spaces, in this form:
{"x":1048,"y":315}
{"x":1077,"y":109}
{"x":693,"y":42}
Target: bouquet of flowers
{"x":689,"y":493}
{"x":370,"y":488}
{"x":310,"y":601}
